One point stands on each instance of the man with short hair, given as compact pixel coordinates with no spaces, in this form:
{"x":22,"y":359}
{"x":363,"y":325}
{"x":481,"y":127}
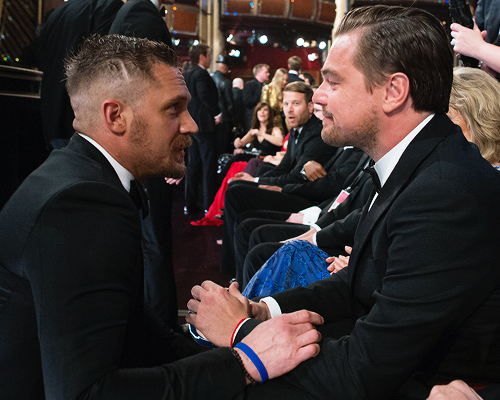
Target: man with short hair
{"x":72,"y":317}
{"x":294,"y":65}
{"x":420,"y":299}
{"x":252,"y":91}
{"x":204,"y":108}
{"x":224,"y":139}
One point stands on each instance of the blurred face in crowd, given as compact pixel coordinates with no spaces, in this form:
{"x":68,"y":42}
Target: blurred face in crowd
{"x":297,"y":111}
{"x":205,"y":61}
{"x":263,"y":114}
{"x":262,"y":75}
{"x":285,"y":81}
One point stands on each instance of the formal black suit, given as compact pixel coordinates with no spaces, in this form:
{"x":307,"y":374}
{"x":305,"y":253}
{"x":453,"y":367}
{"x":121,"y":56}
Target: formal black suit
{"x":252,"y":92}
{"x":224,"y":129}
{"x":202,"y":158}
{"x":140,"y":18}
{"x":72,"y":322}
{"x":62,"y":33}
{"x":294,"y":78}
{"x":423,"y":285}
{"x":302,"y":148}
{"x":487,"y":18}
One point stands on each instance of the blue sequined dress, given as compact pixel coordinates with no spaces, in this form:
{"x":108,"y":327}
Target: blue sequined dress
{"x":296,"y":263}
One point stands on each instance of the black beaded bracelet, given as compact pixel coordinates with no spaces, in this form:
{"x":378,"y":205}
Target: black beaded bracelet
{"x":245,"y":372}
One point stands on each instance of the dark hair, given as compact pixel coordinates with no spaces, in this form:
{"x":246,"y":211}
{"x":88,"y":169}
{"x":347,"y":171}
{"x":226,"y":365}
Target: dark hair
{"x":408,"y":40}
{"x":196,"y":51}
{"x":270,"y":121}
{"x":300,"y":87}
{"x":307,"y":75}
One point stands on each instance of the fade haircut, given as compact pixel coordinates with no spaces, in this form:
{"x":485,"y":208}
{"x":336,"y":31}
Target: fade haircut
{"x":403,"y":39}
{"x":113,"y":66}
{"x":300,"y":87}
{"x":295,"y":62}
{"x":258,"y":67}
{"x":196,"y":51}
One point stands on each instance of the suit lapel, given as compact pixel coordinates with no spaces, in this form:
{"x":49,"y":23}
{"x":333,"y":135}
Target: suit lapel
{"x":420,"y":147}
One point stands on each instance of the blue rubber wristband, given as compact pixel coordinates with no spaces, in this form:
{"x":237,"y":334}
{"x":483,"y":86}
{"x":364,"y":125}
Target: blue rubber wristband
{"x":255,"y":359}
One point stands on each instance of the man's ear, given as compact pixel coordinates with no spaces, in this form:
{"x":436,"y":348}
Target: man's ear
{"x":397,"y":92}
{"x":115,"y":116}
{"x":310,"y":107}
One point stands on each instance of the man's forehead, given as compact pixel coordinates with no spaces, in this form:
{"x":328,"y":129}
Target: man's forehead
{"x":171,"y":79}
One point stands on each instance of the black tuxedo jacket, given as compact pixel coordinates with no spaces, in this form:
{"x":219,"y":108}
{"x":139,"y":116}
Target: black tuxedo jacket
{"x":203,"y":106}
{"x":309,"y":146}
{"x":141,"y":19}
{"x":252,"y":92}
{"x":72,"y":322}
{"x":422,"y":289}
{"x":61,"y":34}
{"x":294,"y":78}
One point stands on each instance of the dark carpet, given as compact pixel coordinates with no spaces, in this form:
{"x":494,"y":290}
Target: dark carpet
{"x":196,"y":252}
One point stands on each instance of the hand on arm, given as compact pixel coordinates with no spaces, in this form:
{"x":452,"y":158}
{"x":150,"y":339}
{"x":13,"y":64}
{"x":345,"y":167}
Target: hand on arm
{"x":314,"y":170}
{"x":271,"y":187}
{"x":456,"y":390}
{"x":172,"y":181}
{"x":283,"y":342}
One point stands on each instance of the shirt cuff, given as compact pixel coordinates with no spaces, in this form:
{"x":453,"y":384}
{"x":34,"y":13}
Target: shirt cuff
{"x":256,"y":180}
{"x":315,"y":242}
{"x":311,"y":215}
{"x":274,"y":307}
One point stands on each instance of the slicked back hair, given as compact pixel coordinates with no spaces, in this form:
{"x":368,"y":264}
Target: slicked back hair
{"x":403,"y":39}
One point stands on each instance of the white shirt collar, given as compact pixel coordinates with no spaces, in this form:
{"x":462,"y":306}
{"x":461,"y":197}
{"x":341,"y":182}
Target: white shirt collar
{"x":156,"y":3}
{"x":387,"y":163}
{"x":293,"y":72}
{"x":123,"y":174}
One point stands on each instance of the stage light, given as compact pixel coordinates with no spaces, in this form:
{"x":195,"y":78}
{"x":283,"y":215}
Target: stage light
{"x":229,"y":38}
{"x":263,"y":39}
{"x":300,"y":42}
{"x":322,"y":45}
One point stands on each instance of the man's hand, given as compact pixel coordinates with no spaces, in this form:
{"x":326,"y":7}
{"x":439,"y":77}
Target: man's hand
{"x":456,"y":390}
{"x":338,"y":263}
{"x":314,"y":170}
{"x":283,"y":342}
{"x":270,"y":187}
{"x":296,"y":218}
{"x":217,"y":311}
{"x":242,"y":176}
{"x":218,"y":119}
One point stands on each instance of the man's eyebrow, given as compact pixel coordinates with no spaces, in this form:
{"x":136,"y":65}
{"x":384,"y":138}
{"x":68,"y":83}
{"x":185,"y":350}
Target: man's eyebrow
{"x":177,"y":99}
{"x":326,"y":72}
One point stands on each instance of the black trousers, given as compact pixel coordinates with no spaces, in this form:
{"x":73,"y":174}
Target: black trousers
{"x":202,"y":168}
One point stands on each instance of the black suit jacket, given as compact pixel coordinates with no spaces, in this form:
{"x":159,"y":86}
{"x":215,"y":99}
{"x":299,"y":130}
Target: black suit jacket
{"x":140,"y":18}
{"x":61,"y":35}
{"x":203,"y":106}
{"x":252,"y":92}
{"x":72,"y":321}
{"x":309,"y":146}
{"x":294,"y":78}
{"x":423,"y":285}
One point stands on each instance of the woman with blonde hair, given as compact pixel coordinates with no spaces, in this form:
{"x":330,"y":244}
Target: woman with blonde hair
{"x":475,"y":107}
{"x":272,"y":94}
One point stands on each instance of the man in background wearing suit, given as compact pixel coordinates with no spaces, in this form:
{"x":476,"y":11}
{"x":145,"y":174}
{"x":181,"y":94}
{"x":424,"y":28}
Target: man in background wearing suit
{"x":62,"y":33}
{"x":421,"y":294}
{"x":72,"y":317}
{"x":252,"y":92}
{"x":204,"y":108}
{"x":294,"y":65}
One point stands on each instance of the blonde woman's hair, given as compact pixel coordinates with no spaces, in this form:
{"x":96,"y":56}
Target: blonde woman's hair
{"x":277,"y":82}
{"x":476,"y":96}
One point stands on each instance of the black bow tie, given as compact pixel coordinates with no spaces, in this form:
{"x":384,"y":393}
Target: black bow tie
{"x":140,"y":197}
{"x":376,"y":180}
